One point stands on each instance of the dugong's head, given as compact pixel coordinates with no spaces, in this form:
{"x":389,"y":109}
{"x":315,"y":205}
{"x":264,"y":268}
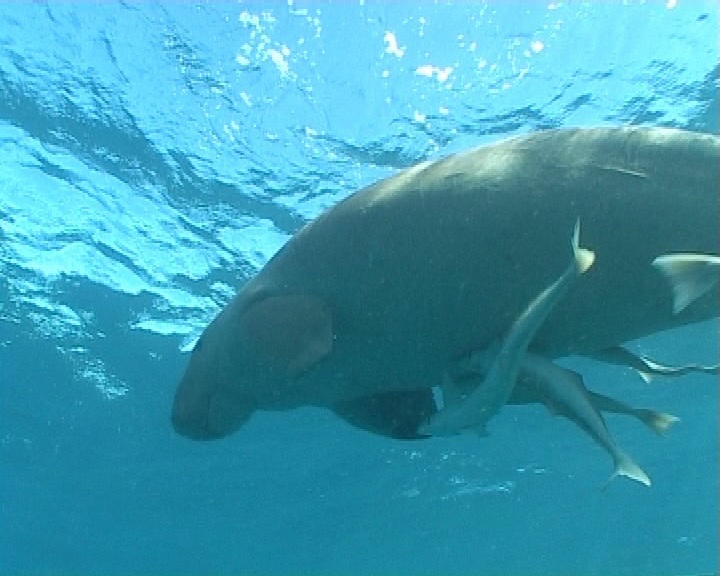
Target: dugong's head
{"x":249,"y":358}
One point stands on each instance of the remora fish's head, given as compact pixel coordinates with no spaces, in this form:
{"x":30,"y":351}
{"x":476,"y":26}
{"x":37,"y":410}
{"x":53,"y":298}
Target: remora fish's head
{"x":249,"y":357}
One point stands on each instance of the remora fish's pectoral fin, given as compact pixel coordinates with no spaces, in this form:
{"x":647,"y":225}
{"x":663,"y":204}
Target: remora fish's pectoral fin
{"x":503,"y":367}
{"x":690,"y":276}
{"x":293,"y":330}
{"x":648,"y":368}
{"x":392,"y":414}
{"x":567,"y":393}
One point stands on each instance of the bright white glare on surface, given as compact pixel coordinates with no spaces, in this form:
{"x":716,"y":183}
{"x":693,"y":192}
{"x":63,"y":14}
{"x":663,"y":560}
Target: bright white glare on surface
{"x":537,"y":46}
{"x":392,"y":45}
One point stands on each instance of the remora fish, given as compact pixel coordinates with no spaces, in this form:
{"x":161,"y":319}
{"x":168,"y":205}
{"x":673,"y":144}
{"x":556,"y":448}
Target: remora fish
{"x":647,"y":368}
{"x":377,"y":295}
{"x":529,"y":391}
{"x":504,"y":360}
{"x":572,"y":400}
{"x":400,"y":414}
{"x":540,"y":381}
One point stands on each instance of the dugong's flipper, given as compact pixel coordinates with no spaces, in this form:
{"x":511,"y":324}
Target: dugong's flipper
{"x":504,"y":364}
{"x":648,"y":368}
{"x":294,"y":330}
{"x":570,"y":398}
{"x":690,"y":276}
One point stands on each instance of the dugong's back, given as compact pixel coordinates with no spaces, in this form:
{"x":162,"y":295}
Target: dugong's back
{"x":451,"y":251}
{"x":437,"y":261}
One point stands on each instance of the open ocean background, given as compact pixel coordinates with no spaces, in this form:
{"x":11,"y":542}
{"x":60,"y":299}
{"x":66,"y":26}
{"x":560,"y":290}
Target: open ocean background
{"x":154,"y":155}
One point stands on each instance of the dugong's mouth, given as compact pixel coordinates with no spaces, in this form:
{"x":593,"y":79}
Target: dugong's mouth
{"x":192,"y":419}
{"x":209,"y":417}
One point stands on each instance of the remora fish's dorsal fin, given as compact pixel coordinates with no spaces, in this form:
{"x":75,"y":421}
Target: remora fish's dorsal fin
{"x":690,"y":276}
{"x":492,"y":394}
{"x":294,"y":330}
{"x":648,"y":368}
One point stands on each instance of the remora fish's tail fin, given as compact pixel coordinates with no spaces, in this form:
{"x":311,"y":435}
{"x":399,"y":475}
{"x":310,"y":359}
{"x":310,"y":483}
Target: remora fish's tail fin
{"x":584,"y":258}
{"x":625,"y":466}
{"x":690,"y":276}
{"x":658,"y":422}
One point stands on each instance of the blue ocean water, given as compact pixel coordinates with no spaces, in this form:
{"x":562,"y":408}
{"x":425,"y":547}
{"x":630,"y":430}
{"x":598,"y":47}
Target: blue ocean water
{"x":154,"y":156}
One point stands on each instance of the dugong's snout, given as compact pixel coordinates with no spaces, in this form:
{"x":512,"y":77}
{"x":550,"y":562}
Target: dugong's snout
{"x":208,"y":417}
{"x":190,"y":414}
{"x":206,"y":409}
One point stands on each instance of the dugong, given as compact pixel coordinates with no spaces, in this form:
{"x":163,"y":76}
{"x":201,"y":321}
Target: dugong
{"x":378,"y":295}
